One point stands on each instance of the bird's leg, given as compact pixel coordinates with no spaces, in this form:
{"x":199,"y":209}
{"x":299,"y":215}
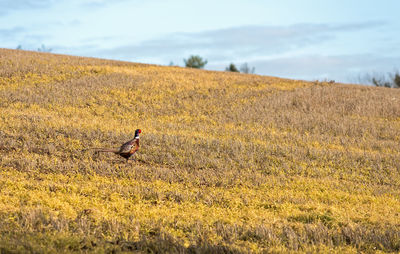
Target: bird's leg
{"x":129,"y":159}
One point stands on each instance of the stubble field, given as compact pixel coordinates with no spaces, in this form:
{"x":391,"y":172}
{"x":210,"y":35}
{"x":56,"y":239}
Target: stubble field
{"x":228,"y":162}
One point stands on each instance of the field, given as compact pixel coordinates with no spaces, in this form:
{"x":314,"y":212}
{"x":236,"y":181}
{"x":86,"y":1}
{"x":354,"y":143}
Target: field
{"x":228,"y":162}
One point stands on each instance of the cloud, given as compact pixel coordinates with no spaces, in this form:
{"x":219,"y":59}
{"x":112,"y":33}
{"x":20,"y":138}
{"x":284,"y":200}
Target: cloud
{"x":14,"y":5}
{"x":11,"y":34}
{"x":235,"y":42}
{"x":7,"y":6}
{"x":95,"y":4}
{"x":12,"y":37}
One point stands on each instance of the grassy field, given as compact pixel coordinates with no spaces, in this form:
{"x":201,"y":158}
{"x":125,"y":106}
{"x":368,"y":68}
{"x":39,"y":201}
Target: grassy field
{"x":228,"y":162}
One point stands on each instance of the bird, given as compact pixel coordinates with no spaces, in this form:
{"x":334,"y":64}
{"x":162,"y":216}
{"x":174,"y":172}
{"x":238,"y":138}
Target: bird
{"x":126,"y":150}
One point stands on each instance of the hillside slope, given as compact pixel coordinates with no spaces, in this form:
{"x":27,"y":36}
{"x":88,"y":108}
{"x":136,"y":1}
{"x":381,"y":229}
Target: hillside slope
{"x":229,"y":162}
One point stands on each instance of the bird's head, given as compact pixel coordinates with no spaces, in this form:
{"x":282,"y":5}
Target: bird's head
{"x":137,"y":132}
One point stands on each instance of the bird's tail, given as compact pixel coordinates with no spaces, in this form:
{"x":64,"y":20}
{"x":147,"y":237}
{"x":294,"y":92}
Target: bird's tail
{"x":103,"y":150}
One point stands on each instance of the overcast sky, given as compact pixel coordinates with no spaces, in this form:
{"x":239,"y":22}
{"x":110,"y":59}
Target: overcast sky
{"x":302,"y":39}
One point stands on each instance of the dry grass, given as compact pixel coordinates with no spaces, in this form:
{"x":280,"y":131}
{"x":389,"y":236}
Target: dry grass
{"x":229,"y":162}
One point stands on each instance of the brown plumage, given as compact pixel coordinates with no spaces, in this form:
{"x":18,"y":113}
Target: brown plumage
{"x":126,"y":150}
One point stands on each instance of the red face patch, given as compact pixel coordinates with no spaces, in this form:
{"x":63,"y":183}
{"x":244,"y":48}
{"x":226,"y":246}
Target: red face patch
{"x":140,"y":131}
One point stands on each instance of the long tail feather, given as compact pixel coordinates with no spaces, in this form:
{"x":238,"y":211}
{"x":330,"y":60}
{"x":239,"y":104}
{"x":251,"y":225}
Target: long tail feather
{"x":104,"y":150}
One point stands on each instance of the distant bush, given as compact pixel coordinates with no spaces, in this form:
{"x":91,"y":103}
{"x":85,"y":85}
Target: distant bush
{"x":195,"y":62}
{"x":232,"y":68}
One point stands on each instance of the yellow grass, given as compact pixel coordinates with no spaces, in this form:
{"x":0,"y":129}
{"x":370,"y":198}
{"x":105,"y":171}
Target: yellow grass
{"x":228,"y":163}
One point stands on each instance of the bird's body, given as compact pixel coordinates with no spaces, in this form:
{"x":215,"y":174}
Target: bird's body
{"x":127,"y":149}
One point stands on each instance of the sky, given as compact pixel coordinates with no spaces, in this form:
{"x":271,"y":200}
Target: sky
{"x":301,"y":39}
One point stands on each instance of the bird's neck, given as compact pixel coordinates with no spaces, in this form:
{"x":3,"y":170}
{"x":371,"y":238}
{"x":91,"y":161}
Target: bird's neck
{"x":136,"y":138}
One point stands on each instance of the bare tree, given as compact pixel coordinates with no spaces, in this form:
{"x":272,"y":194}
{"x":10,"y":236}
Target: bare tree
{"x":246,"y":69}
{"x":43,"y":48}
{"x":396,"y":80}
{"x":390,"y":80}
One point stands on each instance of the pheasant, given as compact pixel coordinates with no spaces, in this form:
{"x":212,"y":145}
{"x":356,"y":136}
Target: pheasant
{"x":126,"y":150}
